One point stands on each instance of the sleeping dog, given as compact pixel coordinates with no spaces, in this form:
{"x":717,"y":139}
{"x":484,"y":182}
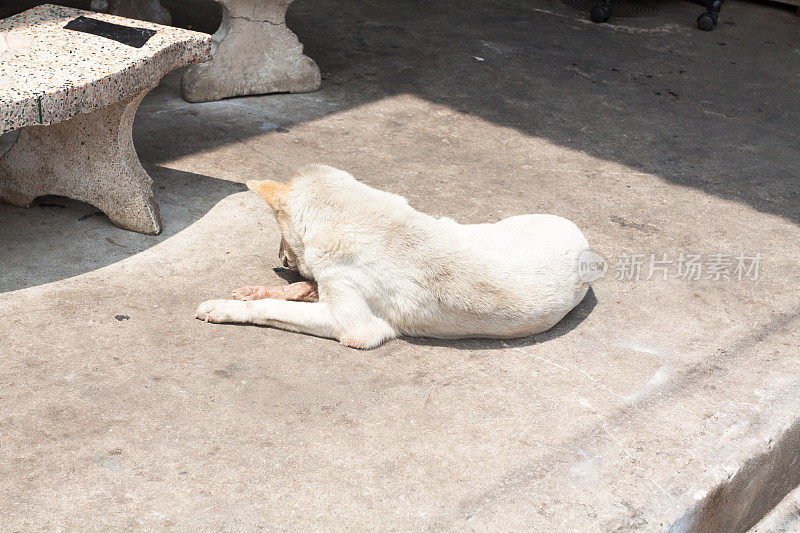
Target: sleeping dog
{"x":381,"y":269}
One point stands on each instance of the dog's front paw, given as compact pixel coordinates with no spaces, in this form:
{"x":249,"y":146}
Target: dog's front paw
{"x":205,"y":309}
{"x":217,"y":311}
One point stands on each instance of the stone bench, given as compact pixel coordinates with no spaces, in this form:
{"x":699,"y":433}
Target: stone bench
{"x":67,"y":102}
{"x":254,"y":52}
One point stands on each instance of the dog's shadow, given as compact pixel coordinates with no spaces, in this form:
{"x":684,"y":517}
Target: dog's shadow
{"x":289,"y":276}
{"x":567,"y":324}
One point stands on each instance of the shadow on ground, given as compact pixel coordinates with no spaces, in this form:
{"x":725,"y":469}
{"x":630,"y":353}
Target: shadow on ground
{"x":716,"y":111}
{"x":64,"y":238}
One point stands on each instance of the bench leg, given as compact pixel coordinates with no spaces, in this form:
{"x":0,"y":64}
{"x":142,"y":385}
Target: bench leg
{"x":89,"y":157}
{"x":253,"y":52}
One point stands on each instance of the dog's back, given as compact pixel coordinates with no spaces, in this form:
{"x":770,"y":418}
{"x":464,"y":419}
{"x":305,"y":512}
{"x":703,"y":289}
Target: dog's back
{"x":513,"y":278}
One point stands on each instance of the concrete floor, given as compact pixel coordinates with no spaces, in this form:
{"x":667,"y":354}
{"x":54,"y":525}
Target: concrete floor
{"x":655,"y":404}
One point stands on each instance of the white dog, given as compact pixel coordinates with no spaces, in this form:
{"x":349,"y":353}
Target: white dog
{"x":383,"y":269}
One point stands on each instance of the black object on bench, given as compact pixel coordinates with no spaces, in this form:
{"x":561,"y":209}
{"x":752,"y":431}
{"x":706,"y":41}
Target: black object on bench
{"x":129,"y":35}
{"x":706,"y":21}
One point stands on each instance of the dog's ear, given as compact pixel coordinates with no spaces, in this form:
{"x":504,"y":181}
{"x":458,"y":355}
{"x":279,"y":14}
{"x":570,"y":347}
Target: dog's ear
{"x":273,"y":192}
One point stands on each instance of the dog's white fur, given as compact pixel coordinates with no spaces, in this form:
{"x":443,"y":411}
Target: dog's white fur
{"x":384,"y":269}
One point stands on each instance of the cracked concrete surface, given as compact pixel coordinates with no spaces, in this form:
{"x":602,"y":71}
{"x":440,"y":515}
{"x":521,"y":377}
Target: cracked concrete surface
{"x":655,"y":404}
{"x":249,"y":19}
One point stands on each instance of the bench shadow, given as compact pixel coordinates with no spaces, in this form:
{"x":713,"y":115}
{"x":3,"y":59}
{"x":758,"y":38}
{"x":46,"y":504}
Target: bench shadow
{"x":58,"y":238}
{"x":567,"y":324}
{"x":662,"y":99}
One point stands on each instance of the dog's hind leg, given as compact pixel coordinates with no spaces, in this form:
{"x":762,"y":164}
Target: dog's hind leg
{"x":302,"y":291}
{"x":360,"y":327}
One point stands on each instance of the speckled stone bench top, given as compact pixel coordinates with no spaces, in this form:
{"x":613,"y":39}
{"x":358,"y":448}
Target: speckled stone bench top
{"x":49,"y":73}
